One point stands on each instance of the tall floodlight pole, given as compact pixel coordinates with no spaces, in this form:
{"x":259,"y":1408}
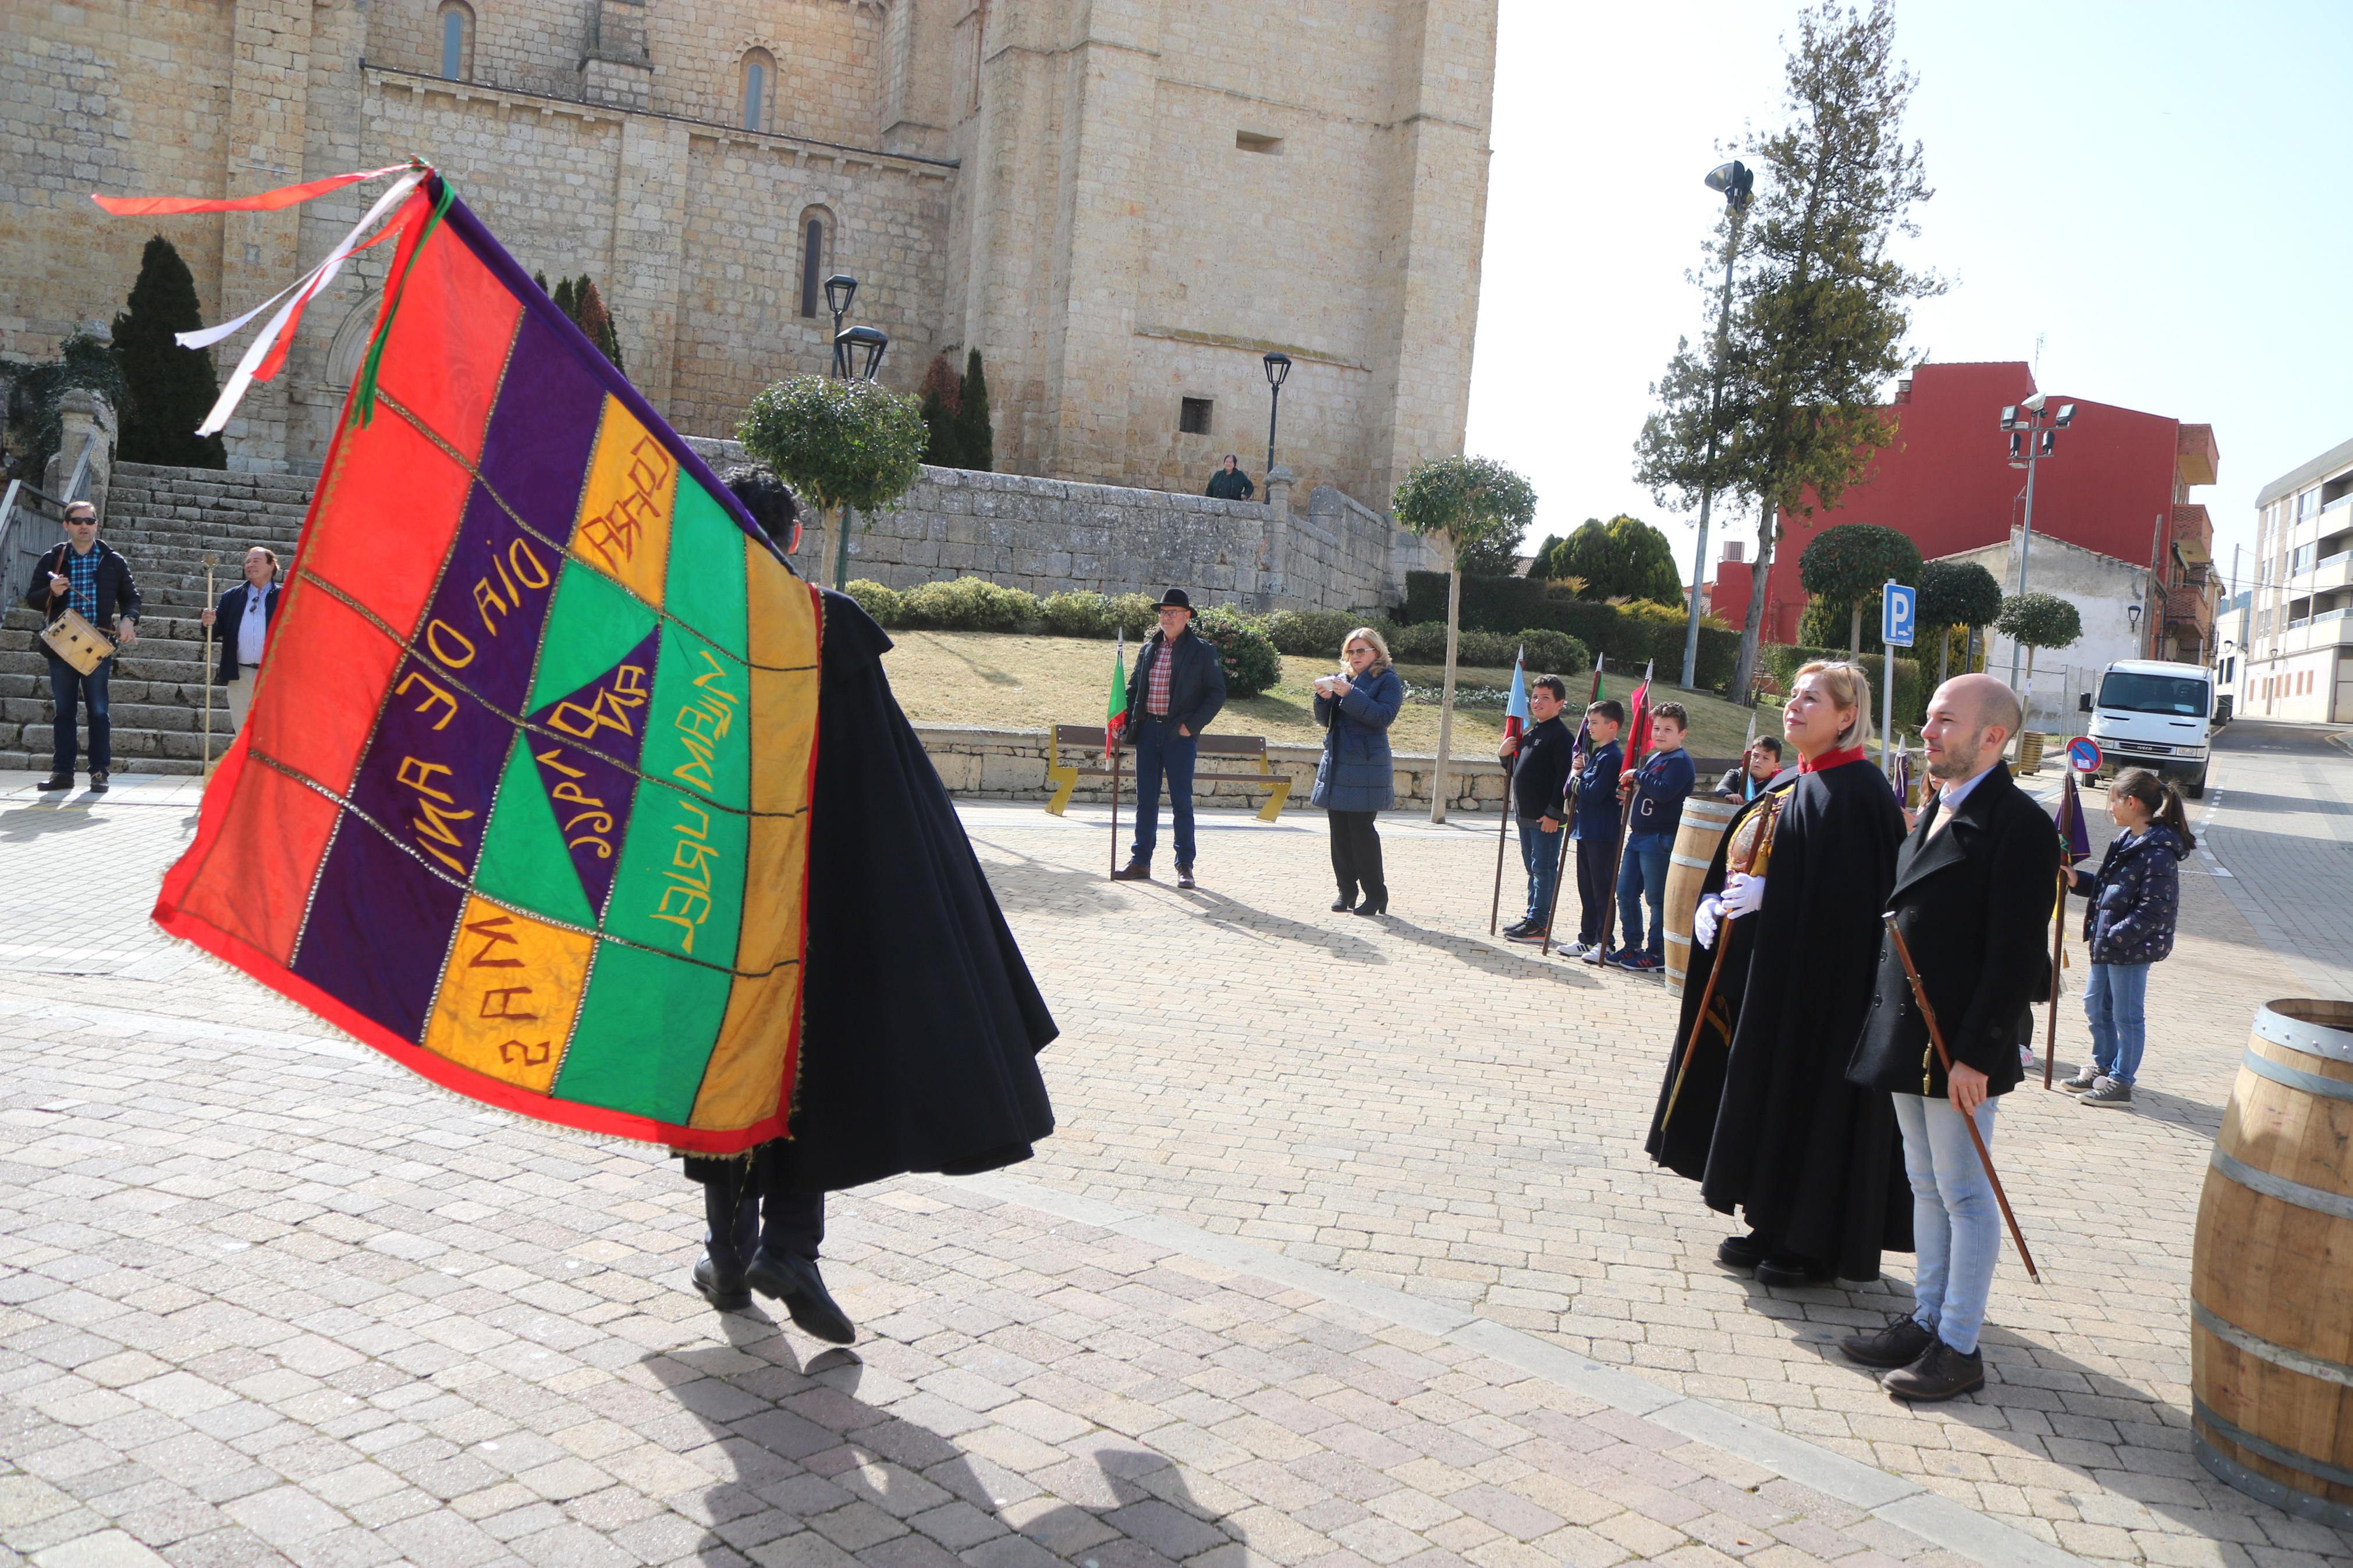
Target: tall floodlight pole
{"x":2032,"y":435}
{"x":1736,"y":180}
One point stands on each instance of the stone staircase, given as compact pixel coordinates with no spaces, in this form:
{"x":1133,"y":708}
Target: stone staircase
{"x":162,"y":519}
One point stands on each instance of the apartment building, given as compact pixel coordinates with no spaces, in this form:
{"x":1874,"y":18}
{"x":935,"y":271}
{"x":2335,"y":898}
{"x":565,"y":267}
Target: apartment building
{"x":2300,"y":636}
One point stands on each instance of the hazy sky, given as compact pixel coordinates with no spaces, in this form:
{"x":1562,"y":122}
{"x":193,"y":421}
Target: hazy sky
{"x":2158,"y":189}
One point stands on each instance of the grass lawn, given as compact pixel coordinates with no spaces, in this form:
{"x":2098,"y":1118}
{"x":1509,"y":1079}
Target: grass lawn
{"x":1009,"y":680}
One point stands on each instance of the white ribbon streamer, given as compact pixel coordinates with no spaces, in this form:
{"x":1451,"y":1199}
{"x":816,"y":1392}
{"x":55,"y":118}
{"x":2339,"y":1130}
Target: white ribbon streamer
{"x":308,"y":287}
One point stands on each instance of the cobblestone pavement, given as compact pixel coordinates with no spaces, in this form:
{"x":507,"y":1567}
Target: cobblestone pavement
{"x":1347,"y":1252}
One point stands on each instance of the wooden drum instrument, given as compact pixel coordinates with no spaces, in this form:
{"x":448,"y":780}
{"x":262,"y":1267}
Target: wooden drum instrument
{"x":75,"y":641}
{"x":1704,"y":822}
{"x":2271,"y":1336}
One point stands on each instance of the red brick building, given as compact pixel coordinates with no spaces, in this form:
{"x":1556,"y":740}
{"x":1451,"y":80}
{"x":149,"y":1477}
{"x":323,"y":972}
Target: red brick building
{"x":2117,"y":483}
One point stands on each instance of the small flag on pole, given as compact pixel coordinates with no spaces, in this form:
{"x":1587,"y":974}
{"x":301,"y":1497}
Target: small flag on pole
{"x":1115,"y":710}
{"x":1638,"y":734}
{"x":1516,"y":712}
{"x":2074,"y":841}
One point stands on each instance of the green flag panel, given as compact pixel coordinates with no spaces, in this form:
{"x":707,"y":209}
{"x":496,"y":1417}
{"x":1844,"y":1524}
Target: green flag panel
{"x":524,"y":860}
{"x":705,"y":586}
{"x":593,"y":623}
{"x":646,"y":1031}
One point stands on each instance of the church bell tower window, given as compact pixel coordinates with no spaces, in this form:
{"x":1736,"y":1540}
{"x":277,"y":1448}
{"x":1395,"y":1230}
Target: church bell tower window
{"x":457,"y":41}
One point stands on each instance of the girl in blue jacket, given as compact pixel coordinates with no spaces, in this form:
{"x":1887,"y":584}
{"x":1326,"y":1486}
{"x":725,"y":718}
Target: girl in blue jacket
{"x":2135,"y":904}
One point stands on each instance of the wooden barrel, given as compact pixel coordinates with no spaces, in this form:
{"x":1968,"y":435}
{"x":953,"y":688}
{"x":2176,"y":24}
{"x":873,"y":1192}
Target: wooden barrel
{"x":1705,"y":820}
{"x":2271,"y":1336}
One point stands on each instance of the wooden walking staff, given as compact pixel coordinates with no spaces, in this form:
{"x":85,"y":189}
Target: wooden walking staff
{"x":204,"y":664}
{"x":1755,"y":863}
{"x":1976,"y":1139}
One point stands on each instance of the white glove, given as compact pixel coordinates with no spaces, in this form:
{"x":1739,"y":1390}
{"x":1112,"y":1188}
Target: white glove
{"x":1703,"y":919}
{"x":1743,"y":894}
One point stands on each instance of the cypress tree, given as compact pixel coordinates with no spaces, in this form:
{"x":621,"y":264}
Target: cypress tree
{"x":942,"y":396}
{"x":589,"y":313}
{"x":169,"y":389}
{"x":977,"y":448}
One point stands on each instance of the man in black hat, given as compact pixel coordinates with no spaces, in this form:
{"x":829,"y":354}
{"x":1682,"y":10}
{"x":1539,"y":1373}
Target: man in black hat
{"x":1178,"y":688}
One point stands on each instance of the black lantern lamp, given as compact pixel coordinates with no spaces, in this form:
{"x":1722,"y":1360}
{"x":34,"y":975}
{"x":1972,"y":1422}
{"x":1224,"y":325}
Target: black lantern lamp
{"x":839,"y":291}
{"x":848,"y":343}
{"x":1278,"y":367}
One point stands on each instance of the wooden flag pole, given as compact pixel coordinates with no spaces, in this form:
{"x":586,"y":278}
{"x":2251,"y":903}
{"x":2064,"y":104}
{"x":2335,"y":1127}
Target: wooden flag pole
{"x":1976,"y":1139}
{"x":1115,"y":749}
{"x":1758,"y":863}
{"x":1511,"y":775}
{"x":204,"y":667}
{"x":2069,"y":804}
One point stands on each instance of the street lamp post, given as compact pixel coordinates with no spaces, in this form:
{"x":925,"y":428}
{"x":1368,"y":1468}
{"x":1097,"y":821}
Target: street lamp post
{"x":1736,"y":180}
{"x":1277,"y":366}
{"x":846,"y":346}
{"x":839,"y":291}
{"x":2032,"y":435}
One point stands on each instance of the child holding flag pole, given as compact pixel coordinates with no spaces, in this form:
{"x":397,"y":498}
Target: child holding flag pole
{"x":1637,"y":742}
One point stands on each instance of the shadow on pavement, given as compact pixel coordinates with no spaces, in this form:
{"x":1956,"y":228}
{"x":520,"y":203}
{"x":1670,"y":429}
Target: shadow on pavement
{"x":1489,"y":956}
{"x":811,"y":1460}
{"x":1341,"y":943}
{"x":32,"y":822}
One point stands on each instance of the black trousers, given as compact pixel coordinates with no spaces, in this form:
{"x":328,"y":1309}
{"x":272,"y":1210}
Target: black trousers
{"x":746,"y":1213}
{"x":1356,"y":855}
{"x":1597,"y":884}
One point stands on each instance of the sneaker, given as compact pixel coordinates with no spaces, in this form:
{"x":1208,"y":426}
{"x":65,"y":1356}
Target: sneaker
{"x":2080,"y":1081}
{"x":1529,"y":933}
{"x":1573,"y":949}
{"x":2107,"y":1093}
{"x":98,"y":783}
{"x":1900,"y":1343}
{"x":1596,"y":955}
{"x":1637,"y":963}
{"x":1517,"y":928}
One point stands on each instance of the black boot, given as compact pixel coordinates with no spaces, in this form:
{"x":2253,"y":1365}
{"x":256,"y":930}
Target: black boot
{"x":1376,"y":902}
{"x":1744,"y":1251}
{"x":731,"y":1213}
{"x":1941,"y":1372}
{"x":1789,"y":1271}
{"x":1900,"y":1343}
{"x":1345,"y":902}
{"x":795,"y":1282}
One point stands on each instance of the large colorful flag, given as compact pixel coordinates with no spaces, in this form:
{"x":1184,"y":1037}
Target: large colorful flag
{"x":1515,"y":708}
{"x":1115,"y":710}
{"x":523,"y":800}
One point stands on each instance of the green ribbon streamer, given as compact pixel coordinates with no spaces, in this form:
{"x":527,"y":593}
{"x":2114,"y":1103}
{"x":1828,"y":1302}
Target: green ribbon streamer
{"x":363,"y":409}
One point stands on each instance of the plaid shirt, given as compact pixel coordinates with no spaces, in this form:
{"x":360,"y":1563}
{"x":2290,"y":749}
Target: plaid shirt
{"x":1155,"y":685}
{"x":83,"y":570}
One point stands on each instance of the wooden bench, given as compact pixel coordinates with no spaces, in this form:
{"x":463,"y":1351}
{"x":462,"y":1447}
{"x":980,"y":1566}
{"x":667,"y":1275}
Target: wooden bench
{"x":1088,"y":741}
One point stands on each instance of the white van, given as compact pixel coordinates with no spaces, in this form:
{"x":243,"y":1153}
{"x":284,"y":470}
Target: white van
{"x":2152,"y":714}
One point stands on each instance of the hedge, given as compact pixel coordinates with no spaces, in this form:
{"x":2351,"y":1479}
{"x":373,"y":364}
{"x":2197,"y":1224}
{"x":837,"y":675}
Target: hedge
{"x":1784,"y":660}
{"x":1251,"y":661}
{"x":1628,"y":634}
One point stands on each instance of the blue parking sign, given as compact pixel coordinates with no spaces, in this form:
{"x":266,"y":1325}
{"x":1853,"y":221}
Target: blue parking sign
{"x":1896,"y":607}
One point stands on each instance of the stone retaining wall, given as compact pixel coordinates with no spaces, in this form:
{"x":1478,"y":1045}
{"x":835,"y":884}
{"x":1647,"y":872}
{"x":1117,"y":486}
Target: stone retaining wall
{"x":1010,"y":764}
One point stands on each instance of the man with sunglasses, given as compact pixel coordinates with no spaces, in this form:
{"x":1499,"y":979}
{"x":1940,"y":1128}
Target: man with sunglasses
{"x":90,"y":579}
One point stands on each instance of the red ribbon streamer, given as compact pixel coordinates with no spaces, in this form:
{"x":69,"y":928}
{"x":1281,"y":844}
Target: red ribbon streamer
{"x":267,"y":202}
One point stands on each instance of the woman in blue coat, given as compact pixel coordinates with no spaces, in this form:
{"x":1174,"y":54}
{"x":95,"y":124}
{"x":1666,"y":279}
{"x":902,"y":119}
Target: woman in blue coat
{"x":1354,"y":781}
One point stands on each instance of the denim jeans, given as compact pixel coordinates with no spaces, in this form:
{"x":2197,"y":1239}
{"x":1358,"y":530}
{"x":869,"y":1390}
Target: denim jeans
{"x":1540,"y":856}
{"x":69,"y":688}
{"x":1159,"y":750}
{"x":2116,"y":1003}
{"x":1956,"y":1225}
{"x":1643,"y":875}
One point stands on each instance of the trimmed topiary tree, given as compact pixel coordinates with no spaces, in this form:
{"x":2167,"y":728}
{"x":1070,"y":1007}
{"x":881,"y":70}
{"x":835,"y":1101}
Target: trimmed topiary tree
{"x":169,"y":389}
{"x":1460,"y":501}
{"x":840,"y":444}
{"x":2038,"y":621}
{"x":1956,"y":594}
{"x":1624,"y":558}
{"x":1844,"y":567}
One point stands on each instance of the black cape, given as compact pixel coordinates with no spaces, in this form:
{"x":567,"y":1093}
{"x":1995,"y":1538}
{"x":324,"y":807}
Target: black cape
{"x":1771,"y":1125}
{"x":921,"y":1026}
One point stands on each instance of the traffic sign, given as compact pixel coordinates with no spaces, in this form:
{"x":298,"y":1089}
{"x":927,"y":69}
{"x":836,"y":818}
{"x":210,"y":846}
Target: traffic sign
{"x":1897,"y":606}
{"x":2084,"y":754}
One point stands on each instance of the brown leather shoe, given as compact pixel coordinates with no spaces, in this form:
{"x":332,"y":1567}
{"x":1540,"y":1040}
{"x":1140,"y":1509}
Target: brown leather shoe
{"x":1185,"y":876}
{"x":1134,"y":871}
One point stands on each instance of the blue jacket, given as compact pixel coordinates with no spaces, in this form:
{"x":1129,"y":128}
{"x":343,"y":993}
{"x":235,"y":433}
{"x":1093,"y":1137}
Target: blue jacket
{"x":1355,"y":773}
{"x":1661,"y":787}
{"x":2135,"y":897}
{"x":1597,"y":793}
